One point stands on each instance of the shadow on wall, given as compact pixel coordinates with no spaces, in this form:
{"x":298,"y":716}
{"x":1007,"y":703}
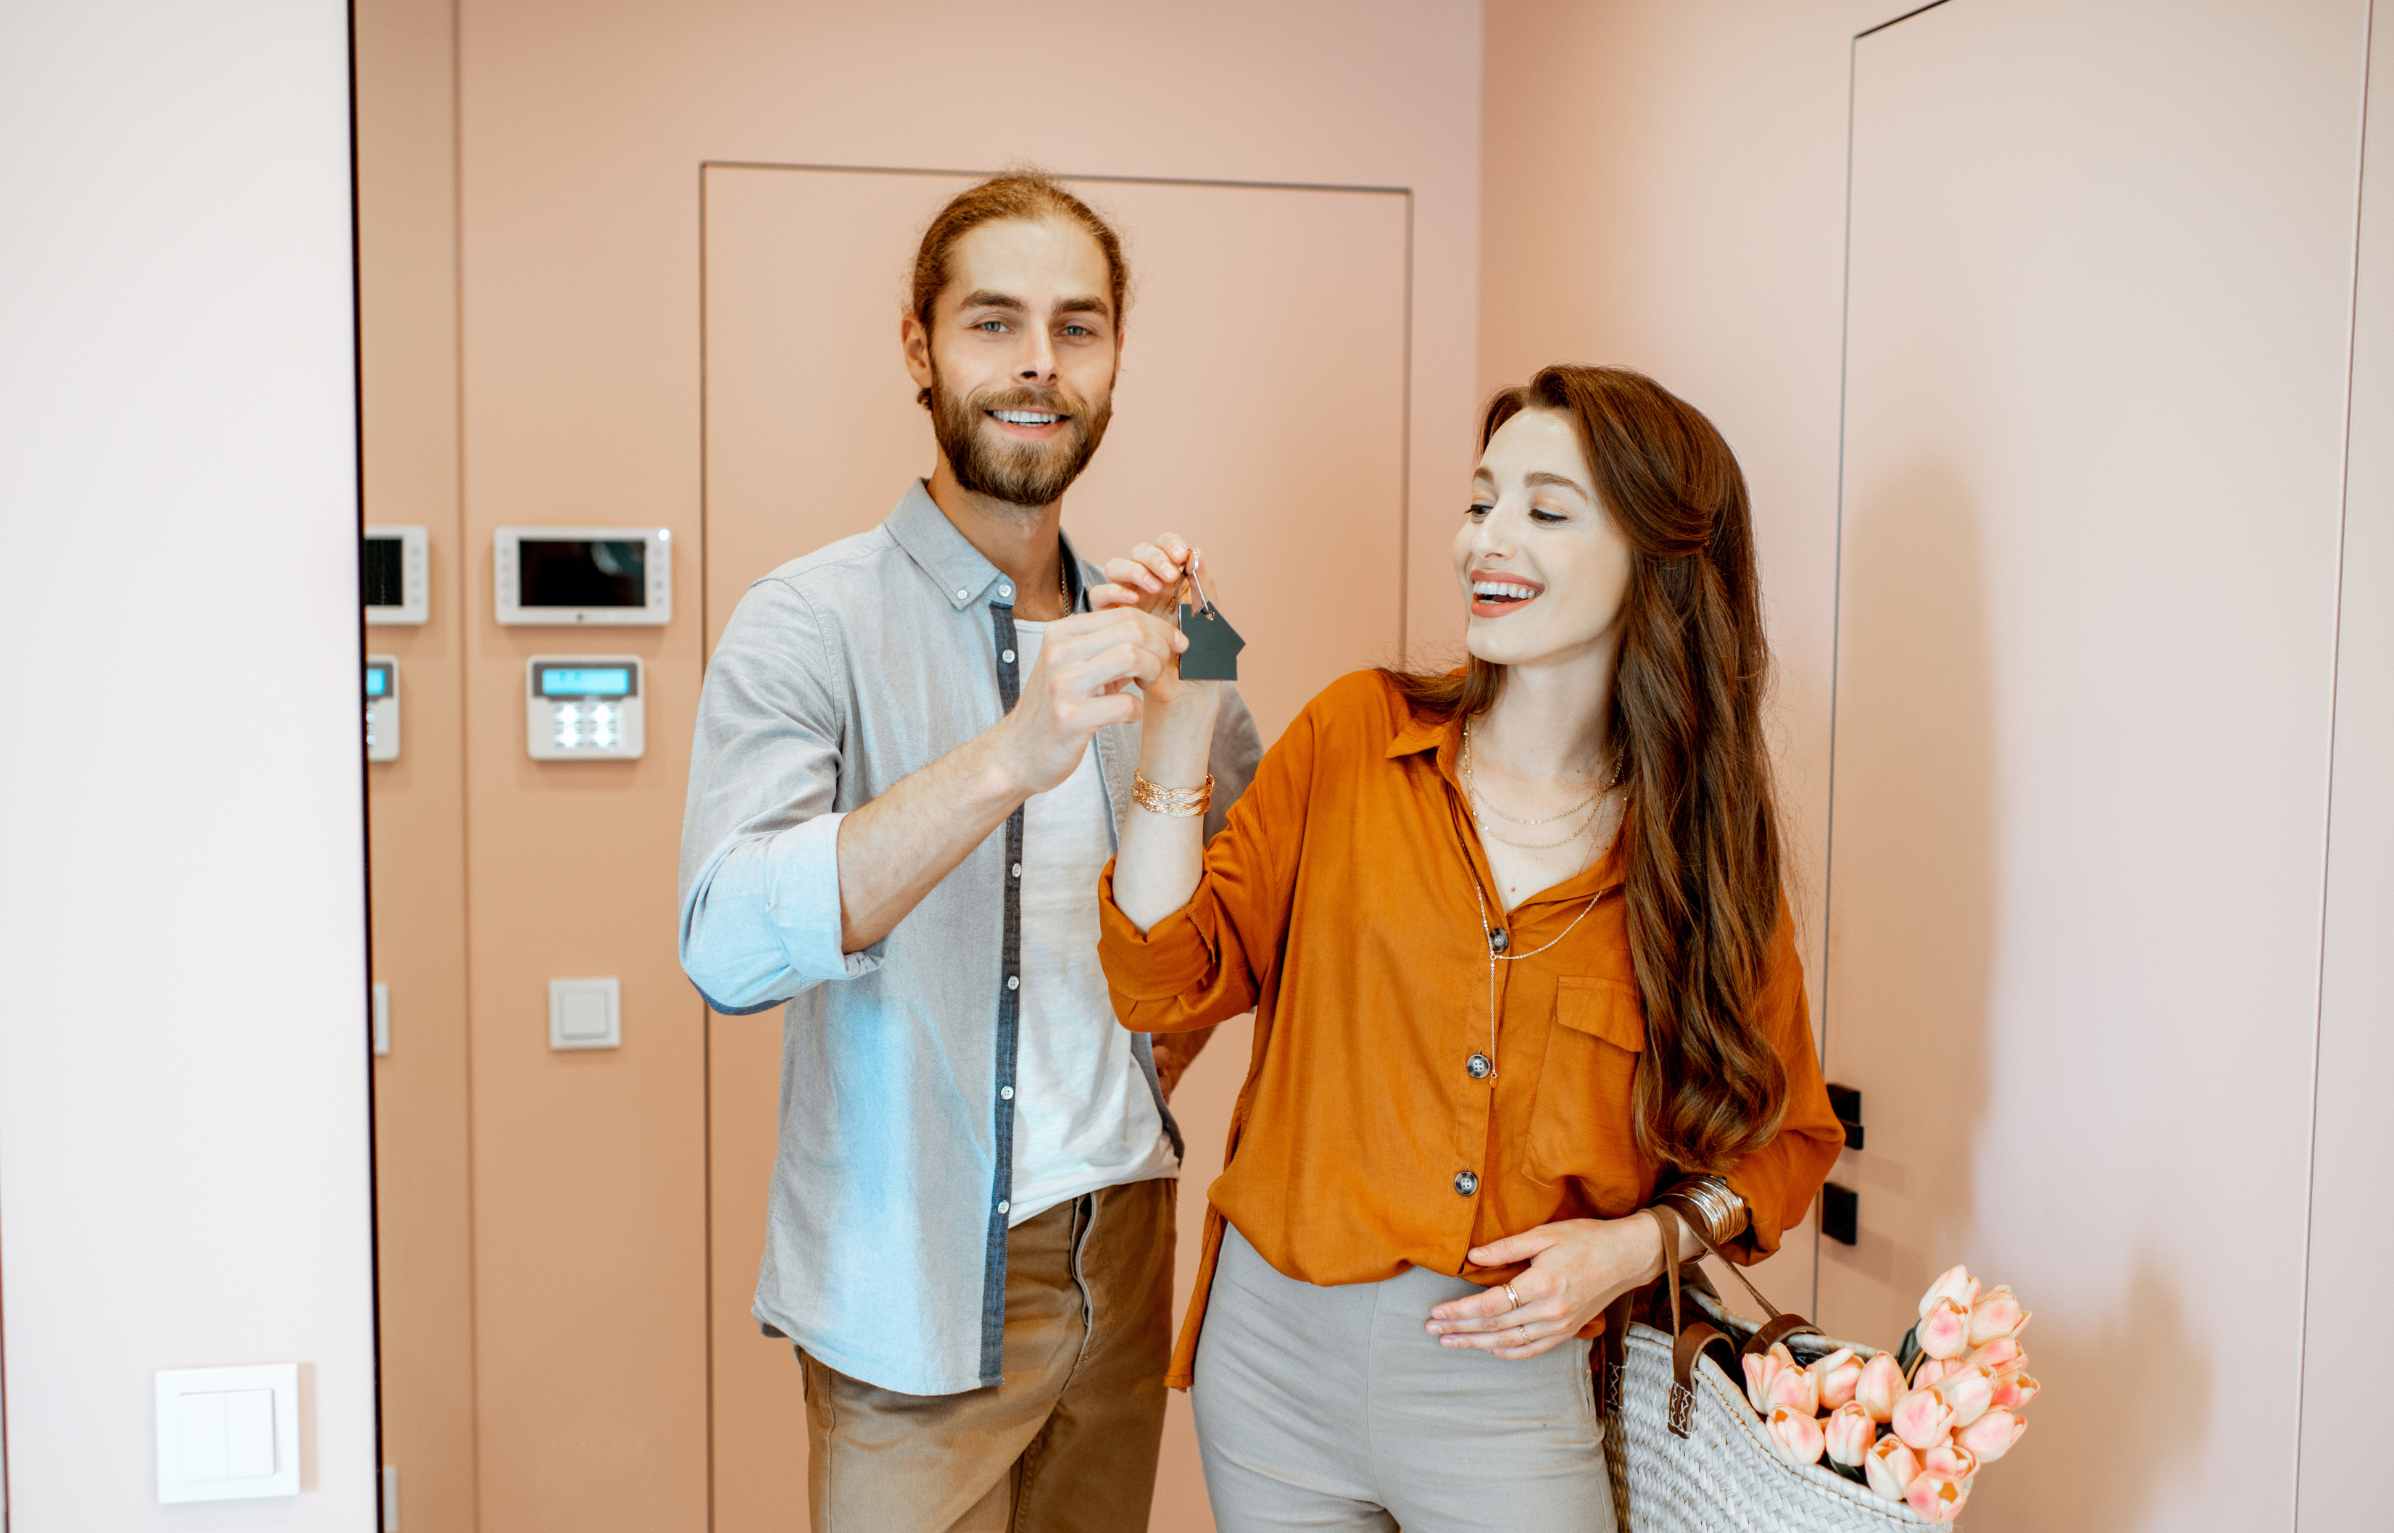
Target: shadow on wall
{"x":1919,"y":921}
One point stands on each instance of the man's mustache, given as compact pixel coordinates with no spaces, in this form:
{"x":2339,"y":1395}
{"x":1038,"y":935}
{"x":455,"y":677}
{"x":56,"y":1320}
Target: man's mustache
{"x":1046,"y":402}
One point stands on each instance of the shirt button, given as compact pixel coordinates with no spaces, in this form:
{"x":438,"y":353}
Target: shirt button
{"x":962,"y":593}
{"x":1477,"y":1067}
{"x":1005,"y":1093}
{"x":1005,"y":1206}
{"x":1498,"y":941}
{"x":1466,"y":1183}
{"x":1006,"y":591}
{"x":1008,"y":657}
{"x":1018,"y":870}
{"x":1014,"y":982}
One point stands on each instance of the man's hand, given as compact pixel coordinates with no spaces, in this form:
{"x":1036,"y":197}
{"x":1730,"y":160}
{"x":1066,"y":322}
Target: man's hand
{"x":1151,"y":579}
{"x":1080,"y":686}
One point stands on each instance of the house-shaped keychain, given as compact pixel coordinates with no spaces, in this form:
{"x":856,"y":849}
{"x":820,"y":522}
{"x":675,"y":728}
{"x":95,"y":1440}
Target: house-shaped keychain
{"x":1213,"y":652}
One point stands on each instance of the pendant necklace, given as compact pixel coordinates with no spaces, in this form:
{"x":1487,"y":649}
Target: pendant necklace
{"x":1492,"y":941}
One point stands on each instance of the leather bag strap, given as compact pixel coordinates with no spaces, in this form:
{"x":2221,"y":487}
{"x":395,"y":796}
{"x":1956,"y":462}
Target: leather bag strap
{"x":1781,"y":1324}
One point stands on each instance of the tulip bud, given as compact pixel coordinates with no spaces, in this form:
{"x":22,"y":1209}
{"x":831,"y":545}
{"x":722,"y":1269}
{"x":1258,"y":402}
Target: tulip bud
{"x":1762,"y":1375}
{"x":2014,"y":1390}
{"x":1890,"y":1467}
{"x":1945,"y":1330}
{"x":1991,"y":1436}
{"x":1798,"y":1390}
{"x":1922,"y":1419}
{"x":1849,"y":1434}
{"x":1954,"y":1283}
{"x":1838,"y":1373}
{"x":1935,"y":1498}
{"x":1880,"y":1385}
{"x":1999,"y":1356}
{"x":1798,"y":1437}
{"x":1997,"y":1313}
{"x":1949,"y":1460}
{"x":1970,"y":1392}
{"x":1930,"y":1372}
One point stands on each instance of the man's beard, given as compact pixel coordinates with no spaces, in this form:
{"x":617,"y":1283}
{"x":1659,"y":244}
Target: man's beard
{"x":1020,"y":473}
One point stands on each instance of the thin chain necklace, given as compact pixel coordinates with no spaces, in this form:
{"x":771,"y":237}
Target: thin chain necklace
{"x":1488,"y":942}
{"x":1489,"y":804}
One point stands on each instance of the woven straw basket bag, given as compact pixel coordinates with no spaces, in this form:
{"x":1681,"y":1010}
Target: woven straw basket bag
{"x":1686,"y":1451}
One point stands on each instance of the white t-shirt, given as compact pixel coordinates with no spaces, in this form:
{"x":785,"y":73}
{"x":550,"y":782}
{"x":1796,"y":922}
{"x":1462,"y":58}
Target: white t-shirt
{"x":1083,"y":1115}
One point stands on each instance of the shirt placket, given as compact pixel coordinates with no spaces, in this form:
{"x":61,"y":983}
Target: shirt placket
{"x":1009,"y":1030}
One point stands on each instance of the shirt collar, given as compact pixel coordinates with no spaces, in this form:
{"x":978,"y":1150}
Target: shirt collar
{"x":1417,"y":736}
{"x":964,"y":576}
{"x":1446,"y":738}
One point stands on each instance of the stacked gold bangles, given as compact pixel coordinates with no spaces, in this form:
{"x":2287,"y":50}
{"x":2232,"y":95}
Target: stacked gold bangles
{"x":1709,"y":1205}
{"x":1179,"y":803}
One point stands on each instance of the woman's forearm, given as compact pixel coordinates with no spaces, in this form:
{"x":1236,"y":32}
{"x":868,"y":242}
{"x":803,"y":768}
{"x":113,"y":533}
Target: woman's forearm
{"x":1163,"y":856}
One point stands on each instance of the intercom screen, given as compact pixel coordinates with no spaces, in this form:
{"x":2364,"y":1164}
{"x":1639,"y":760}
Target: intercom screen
{"x":581,"y":572}
{"x":385,"y":572}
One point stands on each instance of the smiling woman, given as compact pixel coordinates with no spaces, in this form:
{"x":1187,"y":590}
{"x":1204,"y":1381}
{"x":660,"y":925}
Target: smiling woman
{"x":1582,"y":822}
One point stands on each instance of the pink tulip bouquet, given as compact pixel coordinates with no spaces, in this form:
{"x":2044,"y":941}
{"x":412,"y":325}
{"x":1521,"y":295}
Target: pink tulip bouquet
{"x":1915,"y":1425}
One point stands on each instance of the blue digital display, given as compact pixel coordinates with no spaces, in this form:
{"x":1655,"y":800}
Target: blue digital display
{"x":378,"y":681}
{"x":585,"y":681}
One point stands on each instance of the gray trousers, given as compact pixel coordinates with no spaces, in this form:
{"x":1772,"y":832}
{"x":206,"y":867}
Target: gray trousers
{"x":1332,"y":1408}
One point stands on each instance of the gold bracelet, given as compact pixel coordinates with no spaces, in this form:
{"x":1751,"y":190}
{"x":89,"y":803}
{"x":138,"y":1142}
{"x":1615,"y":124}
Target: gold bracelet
{"x":1711,"y":1205}
{"x":1177,"y":803}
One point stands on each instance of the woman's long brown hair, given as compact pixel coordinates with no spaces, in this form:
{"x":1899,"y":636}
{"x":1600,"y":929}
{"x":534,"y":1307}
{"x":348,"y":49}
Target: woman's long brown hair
{"x":1701,"y":839}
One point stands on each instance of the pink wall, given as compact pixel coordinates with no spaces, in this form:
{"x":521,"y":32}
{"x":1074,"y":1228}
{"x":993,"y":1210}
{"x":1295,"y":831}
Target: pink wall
{"x":580,"y":137}
{"x":1665,"y":186}
{"x":183,"y":1173}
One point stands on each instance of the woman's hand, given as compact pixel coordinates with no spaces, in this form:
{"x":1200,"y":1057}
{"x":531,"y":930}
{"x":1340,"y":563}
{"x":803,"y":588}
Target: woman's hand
{"x":1577,"y":1268}
{"x":1150,"y":578}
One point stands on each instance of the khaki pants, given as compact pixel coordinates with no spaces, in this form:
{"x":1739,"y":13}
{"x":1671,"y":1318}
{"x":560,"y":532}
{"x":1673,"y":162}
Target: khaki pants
{"x":1067,"y":1443}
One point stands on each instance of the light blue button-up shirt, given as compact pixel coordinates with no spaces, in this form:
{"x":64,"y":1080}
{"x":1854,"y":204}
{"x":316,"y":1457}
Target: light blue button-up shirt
{"x":839,"y":674}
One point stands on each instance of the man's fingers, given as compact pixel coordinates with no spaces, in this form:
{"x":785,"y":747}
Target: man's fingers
{"x":1164,"y":564}
{"x":1117,"y":662}
{"x":1121,"y":625}
{"x":1134,"y":572}
{"x":1114,"y":594}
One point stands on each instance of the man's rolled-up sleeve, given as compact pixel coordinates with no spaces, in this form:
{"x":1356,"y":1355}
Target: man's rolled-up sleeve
{"x":760,"y":917}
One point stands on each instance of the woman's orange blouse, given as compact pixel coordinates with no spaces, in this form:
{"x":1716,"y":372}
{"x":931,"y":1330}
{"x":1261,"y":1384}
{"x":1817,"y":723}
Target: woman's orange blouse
{"x":1337,"y":905}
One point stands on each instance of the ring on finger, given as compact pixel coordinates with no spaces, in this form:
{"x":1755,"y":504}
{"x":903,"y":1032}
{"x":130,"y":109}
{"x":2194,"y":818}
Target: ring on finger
{"x":1513,"y":1297}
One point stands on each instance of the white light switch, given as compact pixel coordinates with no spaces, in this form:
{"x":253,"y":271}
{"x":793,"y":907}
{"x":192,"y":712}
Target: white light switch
{"x":585,"y":1013}
{"x":228,"y":1433}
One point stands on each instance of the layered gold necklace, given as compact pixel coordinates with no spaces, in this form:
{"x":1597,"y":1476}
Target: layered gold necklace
{"x":1483,"y":1067}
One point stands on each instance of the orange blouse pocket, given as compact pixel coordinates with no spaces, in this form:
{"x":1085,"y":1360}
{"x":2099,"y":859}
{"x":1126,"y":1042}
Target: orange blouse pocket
{"x":1579,"y":1126}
